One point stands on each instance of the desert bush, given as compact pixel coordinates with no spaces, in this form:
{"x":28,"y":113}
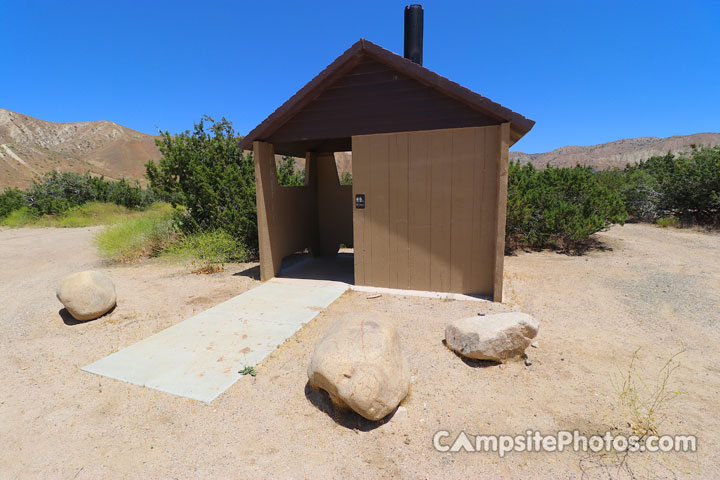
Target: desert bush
{"x":128,"y":194}
{"x":206,"y":172}
{"x":687,"y":186}
{"x":641,"y":195}
{"x":638,"y":190}
{"x":288,"y":174}
{"x":346,"y":178}
{"x":11,"y":199}
{"x":57,"y":192}
{"x":558,"y":207}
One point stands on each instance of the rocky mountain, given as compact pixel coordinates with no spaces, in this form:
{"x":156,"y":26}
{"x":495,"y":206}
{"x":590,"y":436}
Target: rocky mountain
{"x":30,"y":147}
{"x":618,"y":153}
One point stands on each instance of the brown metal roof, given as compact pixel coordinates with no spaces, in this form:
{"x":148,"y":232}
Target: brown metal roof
{"x":371,"y":90}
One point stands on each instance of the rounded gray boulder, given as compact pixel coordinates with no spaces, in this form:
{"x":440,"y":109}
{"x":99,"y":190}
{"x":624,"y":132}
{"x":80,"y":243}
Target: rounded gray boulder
{"x":87,"y":295}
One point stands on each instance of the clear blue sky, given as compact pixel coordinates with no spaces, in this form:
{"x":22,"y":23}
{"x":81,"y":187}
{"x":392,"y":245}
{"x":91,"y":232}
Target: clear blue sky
{"x":586,"y":71}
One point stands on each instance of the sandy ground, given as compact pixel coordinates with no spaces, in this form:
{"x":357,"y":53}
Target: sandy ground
{"x":647,"y":288}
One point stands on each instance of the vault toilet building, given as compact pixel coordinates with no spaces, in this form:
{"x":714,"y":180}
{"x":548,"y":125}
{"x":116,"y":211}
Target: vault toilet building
{"x":426,"y":210}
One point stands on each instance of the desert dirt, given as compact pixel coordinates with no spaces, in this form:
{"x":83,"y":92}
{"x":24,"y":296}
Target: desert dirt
{"x":646,"y":288}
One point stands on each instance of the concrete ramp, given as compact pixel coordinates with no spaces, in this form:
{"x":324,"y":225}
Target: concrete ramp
{"x":200,"y":357}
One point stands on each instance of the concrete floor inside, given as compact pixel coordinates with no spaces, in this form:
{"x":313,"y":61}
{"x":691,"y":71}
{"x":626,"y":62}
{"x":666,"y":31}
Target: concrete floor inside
{"x":339,"y":268}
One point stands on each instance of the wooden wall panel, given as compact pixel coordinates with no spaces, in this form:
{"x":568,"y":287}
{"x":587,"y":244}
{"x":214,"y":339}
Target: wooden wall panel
{"x":361,"y":179}
{"x":398,"y":221}
{"x":440,"y":160}
{"x":461,"y":228}
{"x":434,"y":213}
{"x":378,"y":201}
{"x":483,"y":254}
{"x":419,"y":182}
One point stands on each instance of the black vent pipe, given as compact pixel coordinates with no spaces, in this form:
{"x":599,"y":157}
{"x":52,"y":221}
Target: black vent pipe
{"x":414,"y":33}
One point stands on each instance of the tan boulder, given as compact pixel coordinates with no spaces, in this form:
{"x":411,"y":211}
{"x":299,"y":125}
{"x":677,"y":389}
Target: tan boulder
{"x":87,"y":295}
{"x":491,"y":337}
{"x":360,"y":364}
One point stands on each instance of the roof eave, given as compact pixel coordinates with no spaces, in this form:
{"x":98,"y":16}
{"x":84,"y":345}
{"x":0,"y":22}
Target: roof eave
{"x":519,"y":125}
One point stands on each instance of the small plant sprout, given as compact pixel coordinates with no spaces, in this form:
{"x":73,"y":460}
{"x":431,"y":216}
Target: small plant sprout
{"x":248,"y":370}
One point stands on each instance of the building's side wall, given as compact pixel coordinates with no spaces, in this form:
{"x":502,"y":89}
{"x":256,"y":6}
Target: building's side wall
{"x":287,"y":216}
{"x":432,"y":216}
{"x":334,"y":204}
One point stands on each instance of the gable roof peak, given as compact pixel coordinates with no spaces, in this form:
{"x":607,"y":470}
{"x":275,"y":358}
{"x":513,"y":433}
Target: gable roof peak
{"x":365,"y":48}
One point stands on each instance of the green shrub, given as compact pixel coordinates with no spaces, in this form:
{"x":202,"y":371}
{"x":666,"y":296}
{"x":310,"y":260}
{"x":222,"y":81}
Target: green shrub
{"x":57,"y":192}
{"x":288,"y":175}
{"x":205,"y":171}
{"x":558,"y":207}
{"x":688,"y":186}
{"x":641,"y":195}
{"x":128,"y":194}
{"x":147,"y":234}
{"x":346,"y":178}
{"x":638,"y":190}
{"x":11,"y":199}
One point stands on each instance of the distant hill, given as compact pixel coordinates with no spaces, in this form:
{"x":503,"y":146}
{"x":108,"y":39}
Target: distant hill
{"x":603,"y":156}
{"x":31,"y":147}
{"x":618,"y":153}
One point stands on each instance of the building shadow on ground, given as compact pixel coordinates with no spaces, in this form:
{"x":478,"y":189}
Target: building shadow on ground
{"x":339,"y":267}
{"x":252,"y":272}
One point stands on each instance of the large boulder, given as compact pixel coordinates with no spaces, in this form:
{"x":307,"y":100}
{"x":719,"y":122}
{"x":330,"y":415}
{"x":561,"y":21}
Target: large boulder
{"x":361,"y":365}
{"x":491,"y":337}
{"x":87,"y":295}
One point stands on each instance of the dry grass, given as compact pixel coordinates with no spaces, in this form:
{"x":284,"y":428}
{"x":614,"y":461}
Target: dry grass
{"x":645,"y":397}
{"x":134,"y":238}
